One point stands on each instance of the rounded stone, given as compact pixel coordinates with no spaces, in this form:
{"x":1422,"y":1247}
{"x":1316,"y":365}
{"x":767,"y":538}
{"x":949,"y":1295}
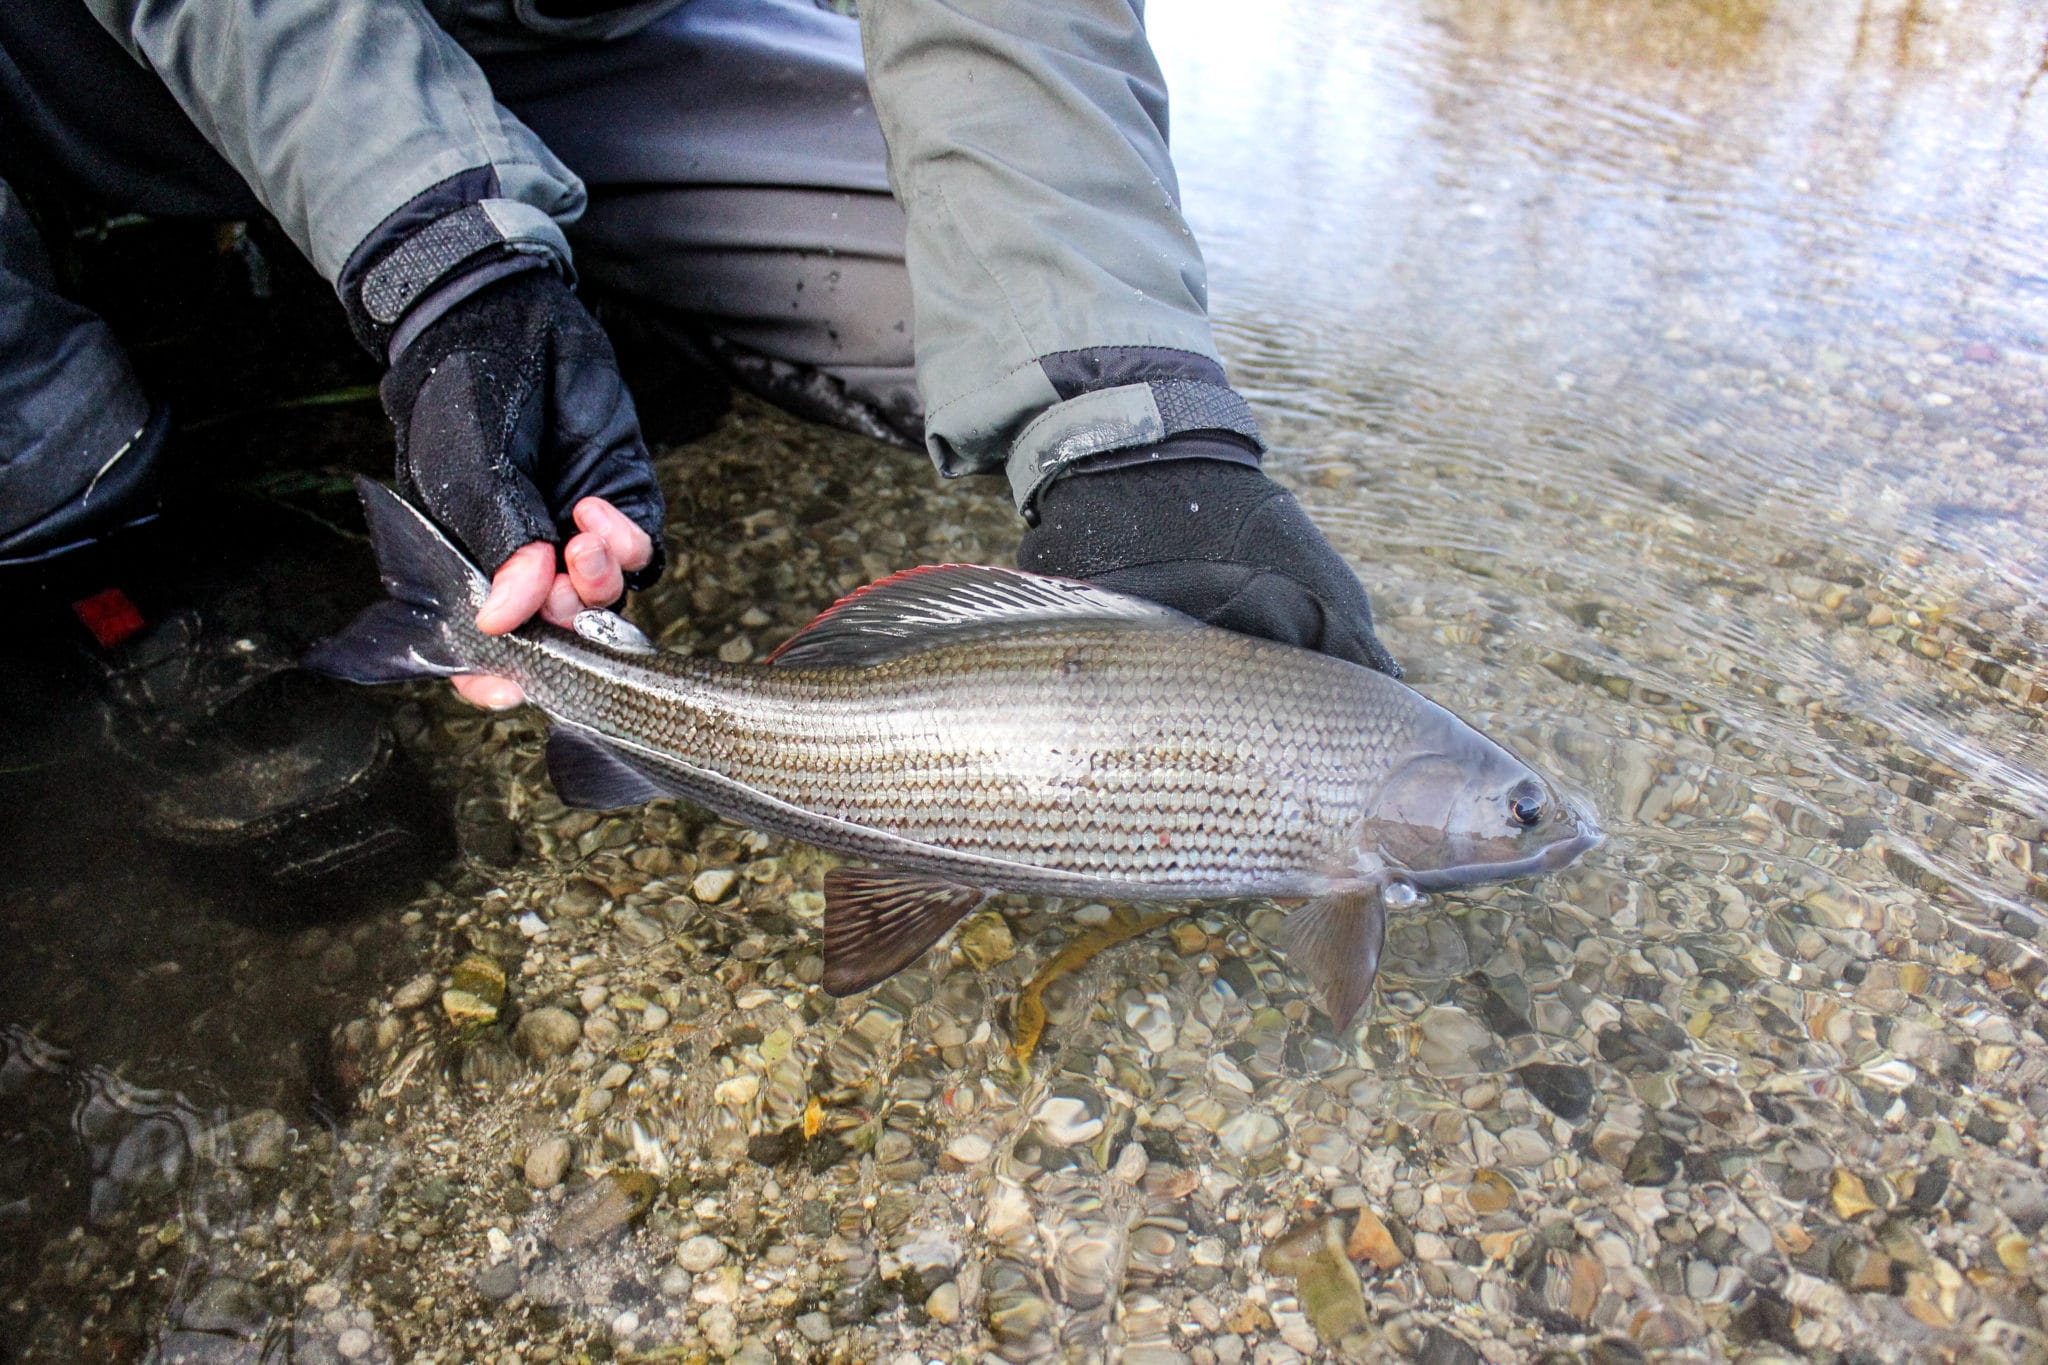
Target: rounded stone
{"x":480,"y":975}
{"x":713,"y":884}
{"x":1566,"y":1091}
{"x":638,"y":930}
{"x":465,"y":1007}
{"x":604,"y":1207}
{"x":700,"y":1253}
{"x":1654,"y":1160}
{"x":970,"y":1149}
{"x":1068,"y":1119}
{"x":353,"y":1344}
{"x":261,"y":1137}
{"x":1449,"y":1042}
{"x":1250,"y":1134}
{"x":547,"y":1161}
{"x":416,"y":992}
{"x":500,"y":1281}
{"x":545,"y":1034}
{"x":986,"y":942}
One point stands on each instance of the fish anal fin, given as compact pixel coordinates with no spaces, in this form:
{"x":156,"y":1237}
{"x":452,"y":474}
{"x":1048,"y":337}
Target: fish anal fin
{"x":879,"y":921}
{"x":917,"y":608}
{"x":589,"y":773}
{"x":1335,"y":941}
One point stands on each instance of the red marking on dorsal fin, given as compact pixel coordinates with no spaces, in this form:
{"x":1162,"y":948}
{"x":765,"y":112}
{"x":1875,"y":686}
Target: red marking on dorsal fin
{"x":899,"y":576}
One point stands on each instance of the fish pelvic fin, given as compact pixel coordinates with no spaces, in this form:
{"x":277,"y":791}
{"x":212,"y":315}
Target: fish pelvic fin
{"x":1336,"y":941}
{"x":421,"y":629}
{"x":593,"y":775}
{"x":879,"y":921}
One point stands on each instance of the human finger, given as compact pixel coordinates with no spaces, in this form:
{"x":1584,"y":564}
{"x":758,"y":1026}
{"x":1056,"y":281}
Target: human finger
{"x":490,"y":692}
{"x":630,"y":545}
{"x":562,"y":603}
{"x":593,"y":570}
{"x":518,"y":589}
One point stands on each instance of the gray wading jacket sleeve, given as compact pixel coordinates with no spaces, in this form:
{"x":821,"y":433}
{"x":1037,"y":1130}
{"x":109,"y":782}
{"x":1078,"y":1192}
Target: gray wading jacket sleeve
{"x":340,"y":114}
{"x":1061,"y":303}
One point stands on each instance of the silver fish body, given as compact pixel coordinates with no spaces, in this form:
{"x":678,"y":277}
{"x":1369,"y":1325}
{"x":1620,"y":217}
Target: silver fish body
{"x":989,"y":729}
{"x":1071,"y":760}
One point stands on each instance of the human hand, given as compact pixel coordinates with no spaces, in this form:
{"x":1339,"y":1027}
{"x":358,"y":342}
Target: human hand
{"x":1215,"y":539}
{"x":607,"y":547}
{"x":513,"y":427}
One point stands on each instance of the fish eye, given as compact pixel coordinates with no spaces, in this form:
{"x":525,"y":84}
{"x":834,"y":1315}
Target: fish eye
{"x":1525,"y":804}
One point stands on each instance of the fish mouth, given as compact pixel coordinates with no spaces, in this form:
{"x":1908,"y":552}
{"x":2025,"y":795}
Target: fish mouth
{"x":1551,"y":858}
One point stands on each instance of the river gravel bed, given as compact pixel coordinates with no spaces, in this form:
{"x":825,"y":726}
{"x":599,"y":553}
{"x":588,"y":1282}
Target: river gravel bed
{"x":614,"y":1116}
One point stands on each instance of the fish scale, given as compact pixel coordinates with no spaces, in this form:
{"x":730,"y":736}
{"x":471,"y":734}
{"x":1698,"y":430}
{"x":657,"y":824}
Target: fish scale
{"x":1068,"y":775}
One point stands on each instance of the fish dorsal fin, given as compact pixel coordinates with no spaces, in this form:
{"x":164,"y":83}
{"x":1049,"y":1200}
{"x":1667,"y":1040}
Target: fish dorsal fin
{"x":609,"y":630}
{"x":917,"y":608}
{"x":877,"y":922}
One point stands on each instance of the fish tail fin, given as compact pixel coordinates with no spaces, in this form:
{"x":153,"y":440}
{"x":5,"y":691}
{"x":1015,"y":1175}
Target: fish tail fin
{"x":425,"y":628}
{"x":1336,"y":941}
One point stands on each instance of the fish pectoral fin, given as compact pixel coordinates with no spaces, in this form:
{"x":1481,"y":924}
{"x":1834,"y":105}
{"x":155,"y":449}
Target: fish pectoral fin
{"x":589,"y":773}
{"x":1335,"y":941}
{"x":879,"y":921}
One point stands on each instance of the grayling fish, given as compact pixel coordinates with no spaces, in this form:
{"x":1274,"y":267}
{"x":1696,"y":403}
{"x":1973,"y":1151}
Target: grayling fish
{"x":971,"y":729}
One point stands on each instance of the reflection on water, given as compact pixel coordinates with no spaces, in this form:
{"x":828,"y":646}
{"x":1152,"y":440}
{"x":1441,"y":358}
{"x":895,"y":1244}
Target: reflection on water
{"x":1673,"y":372}
{"x":1703,"y":344}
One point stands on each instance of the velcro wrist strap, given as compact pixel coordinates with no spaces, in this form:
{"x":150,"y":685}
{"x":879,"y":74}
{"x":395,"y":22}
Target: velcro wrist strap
{"x":422,"y":260}
{"x":1117,"y":418}
{"x":449,"y":246}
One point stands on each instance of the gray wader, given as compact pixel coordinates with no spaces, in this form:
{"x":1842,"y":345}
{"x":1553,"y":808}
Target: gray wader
{"x":738,"y":192}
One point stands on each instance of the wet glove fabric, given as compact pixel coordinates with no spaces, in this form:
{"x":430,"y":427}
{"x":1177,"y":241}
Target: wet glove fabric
{"x":509,"y":410}
{"x":1213,"y":538}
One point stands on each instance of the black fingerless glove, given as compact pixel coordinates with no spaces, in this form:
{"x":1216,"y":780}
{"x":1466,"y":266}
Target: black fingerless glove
{"x":509,"y":410}
{"x":1213,"y":538}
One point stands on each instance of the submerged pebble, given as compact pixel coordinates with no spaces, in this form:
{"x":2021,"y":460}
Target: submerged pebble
{"x":602,"y":1209}
{"x":1566,"y":1091}
{"x":547,"y":1161}
{"x":714,"y":884}
{"x":700,"y":1254}
{"x":548,"y":1033}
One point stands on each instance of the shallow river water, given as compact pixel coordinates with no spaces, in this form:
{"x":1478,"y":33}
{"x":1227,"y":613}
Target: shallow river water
{"x":1673,"y":374}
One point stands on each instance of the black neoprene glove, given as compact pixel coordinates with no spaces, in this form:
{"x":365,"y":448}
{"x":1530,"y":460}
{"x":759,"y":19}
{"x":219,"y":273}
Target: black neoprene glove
{"x":509,"y":410}
{"x":1213,"y":538}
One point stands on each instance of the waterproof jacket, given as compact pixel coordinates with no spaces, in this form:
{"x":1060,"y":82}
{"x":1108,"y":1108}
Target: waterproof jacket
{"x":1060,"y":300}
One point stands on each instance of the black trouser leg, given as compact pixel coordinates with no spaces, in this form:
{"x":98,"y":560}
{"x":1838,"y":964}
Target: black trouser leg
{"x":77,"y":436}
{"x":739,"y":184}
